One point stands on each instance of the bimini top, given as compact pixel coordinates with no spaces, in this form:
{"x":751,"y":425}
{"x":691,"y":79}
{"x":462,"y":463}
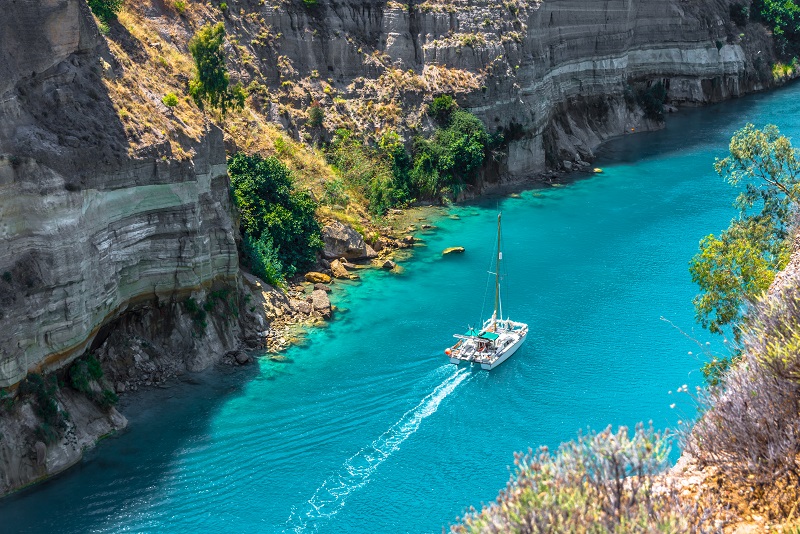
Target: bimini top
{"x":491,"y":336}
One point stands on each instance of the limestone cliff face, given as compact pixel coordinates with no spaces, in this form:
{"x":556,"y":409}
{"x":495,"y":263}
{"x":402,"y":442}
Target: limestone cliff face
{"x":552,"y":74}
{"x":90,"y":229}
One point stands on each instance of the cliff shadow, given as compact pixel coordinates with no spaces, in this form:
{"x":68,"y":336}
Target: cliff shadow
{"x":128,"y":473}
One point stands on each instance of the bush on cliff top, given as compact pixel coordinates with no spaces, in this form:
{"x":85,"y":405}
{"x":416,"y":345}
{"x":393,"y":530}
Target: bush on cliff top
{"x":750,"y":430}
{"x":277,"y":221}
{"x":601,"y":482}
{"x":106,"y":10}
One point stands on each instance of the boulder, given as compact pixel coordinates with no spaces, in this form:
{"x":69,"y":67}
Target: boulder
{"x":343,"y":241}
{"x":453,"y":250}
{"x":318,"y":278}
{"x":323,"y":287}
{"x":321,"y":302}
{"x":388,"y":265}
{"x":567,"y":164}
{"x":338,"y":270}
{"x":242,"y":357}
{"x":302,"y":306}
{"x":409,"y":239}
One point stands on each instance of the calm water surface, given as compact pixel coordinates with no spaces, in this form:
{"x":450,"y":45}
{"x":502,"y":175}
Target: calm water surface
{"x":368,"y":429}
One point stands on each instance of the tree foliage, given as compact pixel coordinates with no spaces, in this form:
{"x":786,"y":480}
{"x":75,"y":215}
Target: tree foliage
{"x":783,"y":17}
{"x":451,"y":157}
{"x":277,"y":221}
{"x":369,"y":171}
{"x":739,"y":265}
{"x":106,"y":10}
{"x":211,"y":82}
{"x":442,"y":107}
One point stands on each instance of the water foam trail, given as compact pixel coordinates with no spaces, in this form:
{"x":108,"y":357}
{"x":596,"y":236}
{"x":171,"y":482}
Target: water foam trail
{"x":354,"y":474}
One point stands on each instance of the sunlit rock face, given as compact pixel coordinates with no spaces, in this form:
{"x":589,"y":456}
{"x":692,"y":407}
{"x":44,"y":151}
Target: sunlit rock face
{"x":553,"y":75}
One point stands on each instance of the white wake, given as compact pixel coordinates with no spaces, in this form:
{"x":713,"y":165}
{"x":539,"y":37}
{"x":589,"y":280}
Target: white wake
{"x":354,"y":474}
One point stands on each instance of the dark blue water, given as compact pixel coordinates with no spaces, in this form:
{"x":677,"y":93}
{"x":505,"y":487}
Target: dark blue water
{"x":368,"y":429}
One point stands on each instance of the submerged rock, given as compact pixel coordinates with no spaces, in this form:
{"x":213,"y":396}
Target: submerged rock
{"x":453,"y":250}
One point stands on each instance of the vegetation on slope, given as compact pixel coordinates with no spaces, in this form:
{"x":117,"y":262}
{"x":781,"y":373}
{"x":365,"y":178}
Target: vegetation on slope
{"x":279,"y":231}
{"x":739,"y":265}
{"x":783,"y":18}
{"x":601,"y":482}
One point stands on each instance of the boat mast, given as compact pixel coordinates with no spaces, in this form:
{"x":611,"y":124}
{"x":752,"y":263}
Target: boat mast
{"x":497,"y":279}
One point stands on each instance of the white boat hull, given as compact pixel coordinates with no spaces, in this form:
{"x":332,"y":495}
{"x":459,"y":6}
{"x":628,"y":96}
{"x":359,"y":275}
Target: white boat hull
{"x":504,"y":356}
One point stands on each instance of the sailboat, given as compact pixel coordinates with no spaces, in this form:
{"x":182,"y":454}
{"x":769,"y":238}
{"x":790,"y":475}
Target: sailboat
{"x":498,"y":339}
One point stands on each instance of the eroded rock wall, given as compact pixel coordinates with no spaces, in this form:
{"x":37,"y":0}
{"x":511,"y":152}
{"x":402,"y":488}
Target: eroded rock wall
{"x":557,"y":75}
{"x":89,"y":228}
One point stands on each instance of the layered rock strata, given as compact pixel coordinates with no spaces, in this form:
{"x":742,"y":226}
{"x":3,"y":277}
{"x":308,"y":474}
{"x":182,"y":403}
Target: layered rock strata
{"x":101,"y":246}
{"x":556,"y":76}
{"x":89,"y":231}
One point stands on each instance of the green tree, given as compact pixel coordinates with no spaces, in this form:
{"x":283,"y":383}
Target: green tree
{"x":451,"y":157}
{"x":739,"y":265}
{"x":783,"y":16}
{"x":368,"y":171}
{"x":273,"y":214}
{"x":106,"y":10}
{"x":441,"y":108}
{"x":211,"y":79}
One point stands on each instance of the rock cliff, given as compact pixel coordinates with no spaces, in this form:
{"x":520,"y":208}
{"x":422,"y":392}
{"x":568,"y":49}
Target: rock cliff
{"x":88,"y":228}
{"x":556,"y":76}
{"x":98,"y":237}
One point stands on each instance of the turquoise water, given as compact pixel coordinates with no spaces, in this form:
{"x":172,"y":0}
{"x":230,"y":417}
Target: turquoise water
{"x":368,"y":429}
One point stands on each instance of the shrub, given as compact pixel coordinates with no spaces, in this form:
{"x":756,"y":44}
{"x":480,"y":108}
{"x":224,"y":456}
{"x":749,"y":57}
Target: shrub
{"x":170,"y":100}
{"x":223,"y":7}
{"x":601,"y":482}
{"x":269,"y":206}
{"x":367,"y":170}
{"x":180,"y":6}
{"x":106,"y":10}
{"x":197,"y":312}
{"x":315,"y":116}
{"x":739,"y":13}
{"x":262,"y":258}
{"x":43,"y":389}
{"x":452,"y":156}
{"x":651,"y":99}
{"x":441,"y":108}
{"x":783,"y":17}
{"x":750,"y":430}
{"x":335,"y":193}
{"x":310,"y":3}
